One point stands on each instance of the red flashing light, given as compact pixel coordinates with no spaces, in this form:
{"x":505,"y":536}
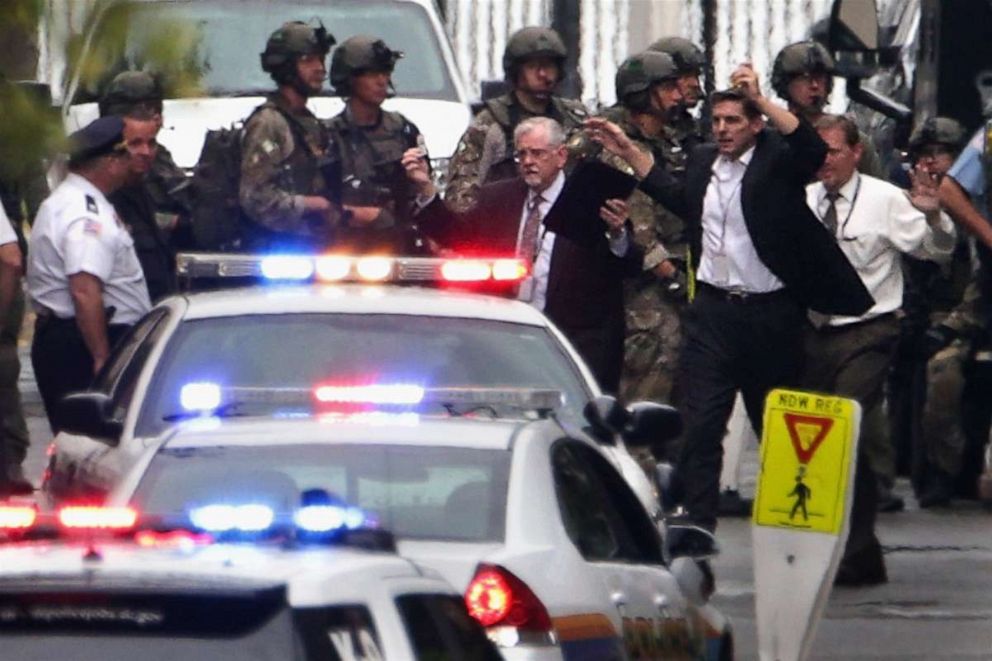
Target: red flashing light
{"x":497,"y":597}
{"x":509,"y":269}
{"x":17,"y":517}
{"x":95,"y":517}
{"x":466,"y":270}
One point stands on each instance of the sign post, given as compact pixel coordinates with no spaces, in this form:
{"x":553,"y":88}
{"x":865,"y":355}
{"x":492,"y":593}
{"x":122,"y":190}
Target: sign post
{"x":801,"y":513}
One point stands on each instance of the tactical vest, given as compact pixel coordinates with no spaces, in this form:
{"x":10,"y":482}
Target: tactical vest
{"x":372,"y":174}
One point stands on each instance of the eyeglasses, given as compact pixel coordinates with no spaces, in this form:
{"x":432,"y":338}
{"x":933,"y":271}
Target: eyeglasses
{"x":536,"y":154}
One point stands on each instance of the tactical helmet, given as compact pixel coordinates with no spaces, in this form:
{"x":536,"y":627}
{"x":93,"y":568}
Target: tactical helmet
{"x":689,"y":59}
{"x":358,"y":54}
{"x":289,"y":42}
{"x":528,"y":43}
{"x":129,"y":89}
{"x":797,"y":59}
{"x":937,"y":130}
{"x":638,"y":73}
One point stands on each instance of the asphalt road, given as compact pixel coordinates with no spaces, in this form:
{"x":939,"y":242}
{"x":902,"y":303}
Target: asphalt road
{"x":936,"y":606}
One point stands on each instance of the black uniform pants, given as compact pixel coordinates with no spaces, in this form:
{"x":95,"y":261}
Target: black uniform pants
{"x":62,"y":363}
{"x":748,"y":343}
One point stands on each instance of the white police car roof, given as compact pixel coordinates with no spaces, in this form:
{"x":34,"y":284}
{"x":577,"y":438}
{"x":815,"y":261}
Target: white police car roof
{"x":359,"y":299}
{"x":312,"y":575}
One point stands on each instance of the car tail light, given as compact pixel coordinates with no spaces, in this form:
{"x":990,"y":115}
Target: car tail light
{"x":495,"y":597}
{"x":94,"y":517}
{"x":17,"y":517}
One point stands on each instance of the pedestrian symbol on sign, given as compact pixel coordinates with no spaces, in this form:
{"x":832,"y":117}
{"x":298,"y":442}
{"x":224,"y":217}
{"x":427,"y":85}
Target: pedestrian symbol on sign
{"x":802,"y":494}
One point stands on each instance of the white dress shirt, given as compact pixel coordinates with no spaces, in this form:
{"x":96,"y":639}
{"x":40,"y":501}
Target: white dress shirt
{"x":78,"y":231}
{"x":876,"y":224}
{"x":729,"y":260}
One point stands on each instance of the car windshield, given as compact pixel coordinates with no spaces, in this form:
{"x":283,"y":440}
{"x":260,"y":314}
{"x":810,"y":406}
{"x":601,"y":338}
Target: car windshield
{"x":417,"y":492}
{"x":306,"y":350}
{"x":227,"y":38}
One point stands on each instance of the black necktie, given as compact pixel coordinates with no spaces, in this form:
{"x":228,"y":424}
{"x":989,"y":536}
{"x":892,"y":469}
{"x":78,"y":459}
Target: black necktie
{"x":830,"y":217}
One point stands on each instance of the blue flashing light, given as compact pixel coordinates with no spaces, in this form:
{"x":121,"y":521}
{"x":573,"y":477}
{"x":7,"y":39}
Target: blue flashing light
{"x":201,"y":396}
{"x":287,"y":267}
{"x":250,"y":517}
{"x":327,"y":518}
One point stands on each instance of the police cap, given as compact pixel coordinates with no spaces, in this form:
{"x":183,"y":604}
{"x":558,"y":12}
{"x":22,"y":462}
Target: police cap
{"x":688,"y":57}
{"x":638,"y":73}
{"x":98,"y":138}
{"x":800,"y":58}
{"x":359,"y":54}
{"x":129,"y":89}
{"x":938,"y":131}
{"x":531,"y":42}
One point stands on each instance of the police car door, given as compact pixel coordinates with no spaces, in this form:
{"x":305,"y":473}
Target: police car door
{"x":621,"y":546}
{"x":87,"y":467}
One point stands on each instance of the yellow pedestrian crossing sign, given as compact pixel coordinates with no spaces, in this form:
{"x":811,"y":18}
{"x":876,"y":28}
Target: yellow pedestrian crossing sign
{"x":806,"y":450}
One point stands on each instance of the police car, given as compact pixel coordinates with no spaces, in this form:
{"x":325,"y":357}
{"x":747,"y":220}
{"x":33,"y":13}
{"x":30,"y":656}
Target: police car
{"x":331,"y":332}
{"x":159,"y":593}
{"x":511,"y":503}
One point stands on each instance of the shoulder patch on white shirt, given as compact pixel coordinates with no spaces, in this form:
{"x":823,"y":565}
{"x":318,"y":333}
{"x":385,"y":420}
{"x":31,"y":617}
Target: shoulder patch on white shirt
{"x":91,"y":204}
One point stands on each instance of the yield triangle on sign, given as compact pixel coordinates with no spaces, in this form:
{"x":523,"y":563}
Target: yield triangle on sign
{"x":806,"y":433}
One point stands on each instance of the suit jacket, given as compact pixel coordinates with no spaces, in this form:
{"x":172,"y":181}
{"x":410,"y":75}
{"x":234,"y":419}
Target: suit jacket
{"x":788,"y":238}
{"x":585,"y":292}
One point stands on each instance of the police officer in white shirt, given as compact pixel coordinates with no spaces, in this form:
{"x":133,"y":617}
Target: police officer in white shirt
{"x":13,"y":432}
{"x":875,"y":223}
{"x":83,"y":273}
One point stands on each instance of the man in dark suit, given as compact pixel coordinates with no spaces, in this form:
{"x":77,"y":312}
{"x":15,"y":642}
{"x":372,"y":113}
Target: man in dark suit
{"x":575,"y":280}
{"x":761,"y":259}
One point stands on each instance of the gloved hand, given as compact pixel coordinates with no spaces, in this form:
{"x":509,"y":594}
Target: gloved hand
{"x":936,"y":338}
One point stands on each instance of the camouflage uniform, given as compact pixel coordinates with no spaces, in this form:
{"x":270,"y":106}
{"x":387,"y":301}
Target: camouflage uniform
{"x":370,"y":157}
{"x":485,"y":152}
{"x":285,"y":153}
{"x":277,"y":171}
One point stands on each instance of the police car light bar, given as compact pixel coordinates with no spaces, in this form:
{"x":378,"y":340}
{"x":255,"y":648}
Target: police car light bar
{"x":207,"y":397}
{"x":349,"y":268}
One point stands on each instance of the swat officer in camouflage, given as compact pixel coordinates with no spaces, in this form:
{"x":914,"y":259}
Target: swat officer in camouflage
{"x":690,"y":62}
{"x":533,"y":64}
{"x":376,"y":195}
{"x":647,"y":88}
{"x":287,"y":188}
{"x":803,"y":75}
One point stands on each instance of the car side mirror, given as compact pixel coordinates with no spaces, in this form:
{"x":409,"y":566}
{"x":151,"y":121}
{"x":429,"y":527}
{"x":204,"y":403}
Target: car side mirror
{"x":689,"y":541}
{"x":651,"y":425}
{"x":606,"y":418}
{"x":90,"y":414}
{"x":853,"y":37}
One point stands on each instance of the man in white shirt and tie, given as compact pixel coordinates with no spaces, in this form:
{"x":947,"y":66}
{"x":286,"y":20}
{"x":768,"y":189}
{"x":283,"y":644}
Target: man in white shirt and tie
{"x":874,"y":223}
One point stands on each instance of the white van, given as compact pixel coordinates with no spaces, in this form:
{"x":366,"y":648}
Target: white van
{"x":229,"y":35}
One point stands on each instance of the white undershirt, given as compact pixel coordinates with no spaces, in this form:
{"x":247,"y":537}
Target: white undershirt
{"x":729,"y":259}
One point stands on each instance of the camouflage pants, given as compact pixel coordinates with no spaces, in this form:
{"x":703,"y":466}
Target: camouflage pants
{"x":943,"y":435}
{"x":651,"y":348}
{"x":13,"y":429}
